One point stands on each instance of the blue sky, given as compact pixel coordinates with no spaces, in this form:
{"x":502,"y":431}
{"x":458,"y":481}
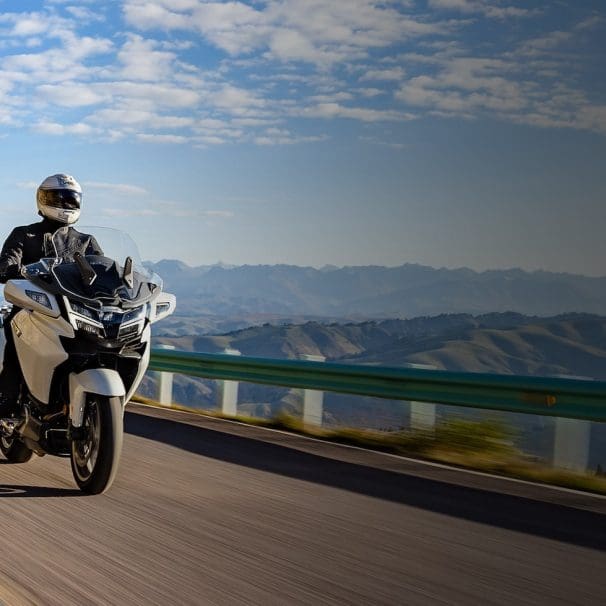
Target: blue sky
{"x":444,"y":132}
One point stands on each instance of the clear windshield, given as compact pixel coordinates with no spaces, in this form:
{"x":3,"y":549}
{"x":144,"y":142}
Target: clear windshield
{"x":114,"y":244}
{"x":95,"y":264}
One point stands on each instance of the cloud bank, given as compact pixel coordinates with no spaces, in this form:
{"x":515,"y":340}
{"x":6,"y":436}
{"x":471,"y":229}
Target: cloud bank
{"x":277,"y":72}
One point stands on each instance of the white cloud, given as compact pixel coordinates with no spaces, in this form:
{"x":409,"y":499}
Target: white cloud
{"x":397,"y":73}
{"x":79,"y":48}
{"x":237,"y":100}
{"x":117,"y":188}
{"x":71,"y":94}
{"x":205,"y":140}
{"x":156,"y":94}
{"x":131,"y":117}
{"x":143,"y":62}
{"x":166,"y":139}
{"x":50,"y":2}
{"x":147,"y":15}
{"x":528,"y":85}
{"x":27,"y":185}
{"x":30,"y":25}
{"x":332,"y":97}
{"x":130,"y":212}
{"x":336,"y":110}
{"x":485,"y":7}
{"x":281,"y":136}
{"x":292,"y":45}
{"x":55,"y":128}
{"x":254,"y":122}
{"x":369,"y":92}
{"x":234,"y":26}
{"x":466,"y":84}
{"x":376,"y":141}
{"x":168,"y":208}
{"x":223,"y":214}
{"x":56,"y":64}
{"x":84,"y":14}
{"x":590,"y":22}
{"x":592,"y":117}
{"x":315,"y":31}
{"x":181,"y":211}
{"x":545,"y":43}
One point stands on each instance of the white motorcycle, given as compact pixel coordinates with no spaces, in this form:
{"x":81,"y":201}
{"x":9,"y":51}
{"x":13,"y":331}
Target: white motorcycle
{"x":82,"y":336}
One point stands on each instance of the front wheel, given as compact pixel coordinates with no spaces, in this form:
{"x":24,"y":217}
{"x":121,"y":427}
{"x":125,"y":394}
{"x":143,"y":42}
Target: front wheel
{"x":95,"y":457}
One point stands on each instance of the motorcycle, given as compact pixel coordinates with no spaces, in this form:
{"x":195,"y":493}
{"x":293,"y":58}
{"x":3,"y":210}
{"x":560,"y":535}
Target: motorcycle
{"x":82,"y":335}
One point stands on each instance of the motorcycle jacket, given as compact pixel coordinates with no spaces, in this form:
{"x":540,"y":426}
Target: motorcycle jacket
{"x":29,"y":243}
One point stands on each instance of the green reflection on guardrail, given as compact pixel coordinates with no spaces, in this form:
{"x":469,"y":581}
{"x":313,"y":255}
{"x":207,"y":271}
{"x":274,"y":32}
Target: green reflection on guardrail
{"x":570,"y":398}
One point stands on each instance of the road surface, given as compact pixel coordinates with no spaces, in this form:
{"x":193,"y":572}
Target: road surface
{"x":205,"y":511}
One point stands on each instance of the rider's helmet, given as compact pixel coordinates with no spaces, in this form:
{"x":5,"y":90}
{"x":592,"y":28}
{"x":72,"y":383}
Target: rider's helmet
{"x":59,"y":198}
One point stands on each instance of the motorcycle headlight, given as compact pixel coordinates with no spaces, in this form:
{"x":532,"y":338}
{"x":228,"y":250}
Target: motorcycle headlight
{"x":134,"y":314}
{"x":108,"y":322}
{"x":82,"y":310}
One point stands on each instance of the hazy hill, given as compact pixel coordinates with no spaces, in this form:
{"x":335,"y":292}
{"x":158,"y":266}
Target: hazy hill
{"x":572,"y":344}
{"x":375,"y":292}
{"x":557,"y":346}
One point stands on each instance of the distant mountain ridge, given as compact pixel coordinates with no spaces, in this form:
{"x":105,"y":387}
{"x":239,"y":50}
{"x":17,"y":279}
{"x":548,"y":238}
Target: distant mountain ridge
{"x":406,"y":291}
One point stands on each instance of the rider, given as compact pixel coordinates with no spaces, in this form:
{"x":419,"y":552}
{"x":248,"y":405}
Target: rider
{"x":59,"y":198}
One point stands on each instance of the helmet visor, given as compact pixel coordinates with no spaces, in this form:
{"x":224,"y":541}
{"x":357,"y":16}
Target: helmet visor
{"x":66,"y":199}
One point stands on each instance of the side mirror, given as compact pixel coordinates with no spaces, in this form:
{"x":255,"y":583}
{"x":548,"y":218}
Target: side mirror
{"x":127,"y":274}
{"x":86,"y":271}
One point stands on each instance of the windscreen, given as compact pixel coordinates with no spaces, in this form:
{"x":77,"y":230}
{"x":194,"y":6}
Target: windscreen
{"x":96,"y":265}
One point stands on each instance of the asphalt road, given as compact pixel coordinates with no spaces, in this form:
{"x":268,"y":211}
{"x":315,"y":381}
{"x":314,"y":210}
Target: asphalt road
{"x":210,"y":512}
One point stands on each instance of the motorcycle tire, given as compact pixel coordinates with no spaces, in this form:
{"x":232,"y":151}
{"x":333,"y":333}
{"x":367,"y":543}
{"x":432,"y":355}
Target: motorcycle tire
{"x":95,"y":458}
{"x":15,"y":450}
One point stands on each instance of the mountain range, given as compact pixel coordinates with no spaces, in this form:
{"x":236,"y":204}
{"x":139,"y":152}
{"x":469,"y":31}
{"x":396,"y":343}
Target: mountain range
{"x":372,"y":292}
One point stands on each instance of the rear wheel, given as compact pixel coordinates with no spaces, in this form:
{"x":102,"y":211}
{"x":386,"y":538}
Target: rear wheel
{"x":96,"y":456}
{"x":15,"y":450}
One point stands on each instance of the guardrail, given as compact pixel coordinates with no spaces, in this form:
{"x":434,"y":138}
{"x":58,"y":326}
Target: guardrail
{"x":573,"y":402}
{"x":567,"y":398}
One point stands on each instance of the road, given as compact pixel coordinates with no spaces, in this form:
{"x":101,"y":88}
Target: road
{"x":205,"y":511}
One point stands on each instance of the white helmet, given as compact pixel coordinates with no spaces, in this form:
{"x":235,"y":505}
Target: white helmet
{"x":59,"y":198}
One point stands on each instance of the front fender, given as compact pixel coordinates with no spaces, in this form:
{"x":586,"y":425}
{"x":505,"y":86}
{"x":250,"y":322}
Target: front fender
{"x":102,"y":381}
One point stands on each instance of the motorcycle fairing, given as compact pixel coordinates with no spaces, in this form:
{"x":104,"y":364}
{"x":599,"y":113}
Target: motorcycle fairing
{"x":37,"y":339}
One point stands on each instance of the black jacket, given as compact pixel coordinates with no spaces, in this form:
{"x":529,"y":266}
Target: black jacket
{"x":29,"y":243}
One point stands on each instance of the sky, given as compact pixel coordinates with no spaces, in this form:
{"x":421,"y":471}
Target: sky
{"x":449,"y":133}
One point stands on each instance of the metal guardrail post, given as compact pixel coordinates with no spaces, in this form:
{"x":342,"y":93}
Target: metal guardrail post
{"x":164,"y":387}
{"x":571,"y":444}
{"x":313,"y":399}
{"x":422,"y":414}
{"x":228,"y":390}
{"x":571,"y":439}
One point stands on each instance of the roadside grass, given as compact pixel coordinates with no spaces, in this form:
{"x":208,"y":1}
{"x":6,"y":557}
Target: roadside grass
{"x":485,"y":446}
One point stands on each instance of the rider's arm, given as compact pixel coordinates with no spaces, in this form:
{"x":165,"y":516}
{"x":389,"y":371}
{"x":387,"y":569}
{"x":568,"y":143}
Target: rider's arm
{"x":11,"y":256}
